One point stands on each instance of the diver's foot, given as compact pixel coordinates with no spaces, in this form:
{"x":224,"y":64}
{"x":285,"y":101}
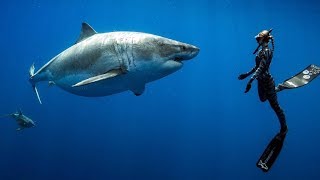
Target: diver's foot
{"x":283,"y":132}
{"x":279,"y":88}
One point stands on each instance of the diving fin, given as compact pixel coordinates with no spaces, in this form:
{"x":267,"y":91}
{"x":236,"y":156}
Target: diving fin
{"x":109,"y":74}
{"x":271,"y":152}
{"x":302,"y":78}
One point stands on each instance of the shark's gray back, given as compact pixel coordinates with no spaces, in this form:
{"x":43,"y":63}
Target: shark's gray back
{"x":99,"y":54}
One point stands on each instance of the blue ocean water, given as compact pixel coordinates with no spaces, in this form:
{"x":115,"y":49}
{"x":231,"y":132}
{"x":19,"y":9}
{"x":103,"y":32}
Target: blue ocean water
{"x":194,"y":124}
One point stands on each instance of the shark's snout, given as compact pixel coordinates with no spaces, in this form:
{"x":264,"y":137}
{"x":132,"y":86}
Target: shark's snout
{"x":194,"y":51}
{"x":188,"y":52}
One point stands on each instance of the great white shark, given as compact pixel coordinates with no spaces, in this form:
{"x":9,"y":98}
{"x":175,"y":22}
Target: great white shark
{"x":101,"y":64}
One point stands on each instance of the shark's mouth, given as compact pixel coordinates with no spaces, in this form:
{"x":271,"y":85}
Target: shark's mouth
{"x":178,"y":59}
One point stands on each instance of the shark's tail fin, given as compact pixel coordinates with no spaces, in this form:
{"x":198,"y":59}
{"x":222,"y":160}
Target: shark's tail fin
{"x":31,"y":73}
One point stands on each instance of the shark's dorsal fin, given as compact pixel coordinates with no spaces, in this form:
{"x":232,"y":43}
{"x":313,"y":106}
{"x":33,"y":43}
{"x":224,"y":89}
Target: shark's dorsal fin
{"x":19,"y":111}
{"x":86,"y":31}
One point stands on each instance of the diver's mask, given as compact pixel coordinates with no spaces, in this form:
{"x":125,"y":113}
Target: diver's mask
{"x":263,"y":36}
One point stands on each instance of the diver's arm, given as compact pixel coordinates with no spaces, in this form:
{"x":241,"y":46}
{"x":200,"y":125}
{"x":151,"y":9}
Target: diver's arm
{"x":260,"y":69}
{"x":245,"y":75}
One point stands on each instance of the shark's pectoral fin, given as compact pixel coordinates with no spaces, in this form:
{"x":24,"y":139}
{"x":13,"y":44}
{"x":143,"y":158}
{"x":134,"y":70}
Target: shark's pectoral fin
{"x":138,"y":90}
{"x":19,"y":128}
{"x":108,"y":75}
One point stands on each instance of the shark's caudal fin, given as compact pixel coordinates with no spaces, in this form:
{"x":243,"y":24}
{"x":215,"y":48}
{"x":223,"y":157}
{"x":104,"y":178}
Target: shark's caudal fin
{"x":31,"y":73}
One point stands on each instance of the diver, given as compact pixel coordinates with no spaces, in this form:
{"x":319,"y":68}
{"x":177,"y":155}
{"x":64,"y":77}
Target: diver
{"x":266,"y":85}
{"x":268,"y":91}
{"x":22,"y":120}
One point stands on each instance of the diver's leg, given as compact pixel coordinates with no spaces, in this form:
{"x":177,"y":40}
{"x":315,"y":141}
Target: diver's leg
{"x":279,"y":87}
{"x":273,"y":100}
{"x":262,"y":91}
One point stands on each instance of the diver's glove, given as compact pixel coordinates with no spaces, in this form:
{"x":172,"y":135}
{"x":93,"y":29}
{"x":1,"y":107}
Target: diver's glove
{"x":248,"y":86}
{"x":242,"y":76}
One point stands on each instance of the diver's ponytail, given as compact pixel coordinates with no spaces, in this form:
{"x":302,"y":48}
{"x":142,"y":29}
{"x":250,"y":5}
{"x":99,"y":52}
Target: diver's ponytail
{"x":272,"y":42}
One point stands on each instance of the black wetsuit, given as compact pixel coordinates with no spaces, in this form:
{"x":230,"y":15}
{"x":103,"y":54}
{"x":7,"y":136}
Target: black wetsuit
{"x":266,"y":85}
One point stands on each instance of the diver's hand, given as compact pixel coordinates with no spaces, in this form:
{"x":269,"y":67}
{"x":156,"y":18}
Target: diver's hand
{"x":242,"y":76}
{"x":248,"y":88}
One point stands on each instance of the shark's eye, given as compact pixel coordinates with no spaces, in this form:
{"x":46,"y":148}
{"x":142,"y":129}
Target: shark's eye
{"x":184,"y":48}
{"x":160,"y":43}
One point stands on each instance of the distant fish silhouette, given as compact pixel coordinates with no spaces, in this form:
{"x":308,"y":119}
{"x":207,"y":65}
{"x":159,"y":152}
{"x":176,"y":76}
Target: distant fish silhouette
{"x":22,"y":120}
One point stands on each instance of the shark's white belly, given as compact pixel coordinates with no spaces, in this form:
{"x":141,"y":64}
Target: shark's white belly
{"x":134,"y":80}
{"x":101,"y":88}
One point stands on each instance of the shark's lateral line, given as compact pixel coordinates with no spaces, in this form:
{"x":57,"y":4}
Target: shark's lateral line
{"x":101,"y":64}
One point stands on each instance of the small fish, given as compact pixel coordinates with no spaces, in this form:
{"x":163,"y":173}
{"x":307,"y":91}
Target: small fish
{"x":22,"y":120}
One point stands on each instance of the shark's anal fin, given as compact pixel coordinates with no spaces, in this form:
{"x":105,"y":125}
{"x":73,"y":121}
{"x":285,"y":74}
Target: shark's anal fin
{"x":107,"y":75}
{"x":86,"y":31}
